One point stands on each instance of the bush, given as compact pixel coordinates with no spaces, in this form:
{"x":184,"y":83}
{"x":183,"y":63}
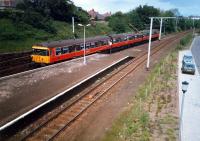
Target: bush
{"x":38,"y":21}
{"x":184,"y":41}
{"x":12,"y":36}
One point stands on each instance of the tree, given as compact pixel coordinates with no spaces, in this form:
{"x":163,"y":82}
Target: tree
{"x":118,"y":22}
{"x":169,"y":24}
{"x":144,"y":12}
{"x":135,"y":20}
{"x":62,"y":10}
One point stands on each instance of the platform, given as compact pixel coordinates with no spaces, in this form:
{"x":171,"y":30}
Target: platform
{"x":22,"y":92}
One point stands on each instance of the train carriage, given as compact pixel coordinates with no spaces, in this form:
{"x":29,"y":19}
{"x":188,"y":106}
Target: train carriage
{"x":51,"y":52}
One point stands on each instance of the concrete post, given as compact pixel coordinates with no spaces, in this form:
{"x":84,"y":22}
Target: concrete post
{"x":84,"y":48}
{"x":161,"y":21}
{"x":149,"y":48}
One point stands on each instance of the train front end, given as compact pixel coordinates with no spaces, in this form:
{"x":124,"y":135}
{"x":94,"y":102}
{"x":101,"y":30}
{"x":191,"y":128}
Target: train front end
{"x":40,"y":55}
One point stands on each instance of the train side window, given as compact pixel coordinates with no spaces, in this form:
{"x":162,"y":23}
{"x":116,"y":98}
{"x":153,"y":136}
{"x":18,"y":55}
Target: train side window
{"x":82,"y":46}
{"x":71,"y":48}
{"x":114,"y":41}
{"x":77,"y":47}
{"x":65,"y":50}
{"x":92,"y":45}
{"x":105,"y":42}
{"x":58,"y":51}
{"x":87,"y":45}
{"x":98,"y":43}
{"x":129,"y":38}
{"x":118,"y":40}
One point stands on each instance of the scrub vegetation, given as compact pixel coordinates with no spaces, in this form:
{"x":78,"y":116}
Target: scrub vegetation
{"x":20,"y":37}
{"x":153,"y":112}
{"x":47,"y":20}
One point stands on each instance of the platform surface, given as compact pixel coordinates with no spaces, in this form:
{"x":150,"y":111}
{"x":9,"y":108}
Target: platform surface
{"x":20,"y":93}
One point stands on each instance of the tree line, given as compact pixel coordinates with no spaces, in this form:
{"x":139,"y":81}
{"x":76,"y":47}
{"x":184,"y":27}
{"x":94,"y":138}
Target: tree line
{"x":41,"y":13}
{"x":139,"y":19}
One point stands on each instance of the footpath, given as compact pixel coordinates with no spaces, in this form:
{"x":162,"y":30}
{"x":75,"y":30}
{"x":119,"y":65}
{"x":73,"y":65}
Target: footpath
{"x":190,"y":130}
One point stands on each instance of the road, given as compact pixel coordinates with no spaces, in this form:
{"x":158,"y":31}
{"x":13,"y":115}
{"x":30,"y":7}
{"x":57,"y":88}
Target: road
{"x":196,"y":51}
{"x":190,"y":130}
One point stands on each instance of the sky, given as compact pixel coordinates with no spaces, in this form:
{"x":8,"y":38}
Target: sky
{"x":185,"y":7}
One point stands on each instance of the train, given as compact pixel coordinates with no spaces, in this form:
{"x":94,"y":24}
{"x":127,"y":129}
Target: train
{"x":57,"y":51}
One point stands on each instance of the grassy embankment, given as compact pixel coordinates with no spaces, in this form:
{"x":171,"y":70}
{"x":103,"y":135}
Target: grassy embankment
{"x":153,"y":113}
{"x":15,"y":37}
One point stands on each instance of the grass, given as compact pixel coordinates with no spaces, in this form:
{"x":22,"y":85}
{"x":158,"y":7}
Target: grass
{"x":20,"y":37}
{"x":147,"y":117}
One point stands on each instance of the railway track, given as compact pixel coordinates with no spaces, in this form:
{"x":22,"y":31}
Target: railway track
{"x":55,"y":125}
{"x":7,"y":56}
{"x":14,"y":63}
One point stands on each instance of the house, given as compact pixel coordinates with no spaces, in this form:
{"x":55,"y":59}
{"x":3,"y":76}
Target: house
{"x":95,"y":15}
{"x":8,"y":3}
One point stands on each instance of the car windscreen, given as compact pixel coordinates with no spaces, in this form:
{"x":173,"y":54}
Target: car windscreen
{"x":188,"y":57}
{"x":190,"y":65}
{"x":41,"y":52}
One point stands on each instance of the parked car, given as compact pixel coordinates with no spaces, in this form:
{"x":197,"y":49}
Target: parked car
{"x":187,"y":59}
{"x":188,"y":68}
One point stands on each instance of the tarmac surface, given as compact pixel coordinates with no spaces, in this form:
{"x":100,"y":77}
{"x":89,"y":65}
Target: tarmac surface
{"x":190,"y":125}
{"x":196,"y":51}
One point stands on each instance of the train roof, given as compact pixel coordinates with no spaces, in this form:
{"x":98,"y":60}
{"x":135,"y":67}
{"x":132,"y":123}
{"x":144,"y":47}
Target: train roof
{"x":69,"y":42}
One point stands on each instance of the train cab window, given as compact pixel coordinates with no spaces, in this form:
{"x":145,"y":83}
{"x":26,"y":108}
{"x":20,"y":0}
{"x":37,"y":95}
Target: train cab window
{"x":41,"y":52}
{"x":65,"y":50}
{"x":58,"y":51}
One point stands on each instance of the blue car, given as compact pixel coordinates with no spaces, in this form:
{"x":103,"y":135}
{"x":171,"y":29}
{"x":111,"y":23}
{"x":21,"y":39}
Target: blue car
{"x":188,"y":68}
{"x":187,"y":59}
